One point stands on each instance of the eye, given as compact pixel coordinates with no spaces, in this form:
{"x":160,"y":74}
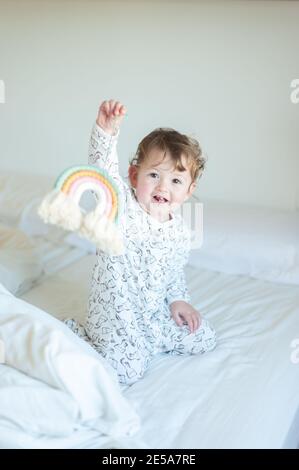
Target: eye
{"x":153,"y":175}
{"x":177,"y":181}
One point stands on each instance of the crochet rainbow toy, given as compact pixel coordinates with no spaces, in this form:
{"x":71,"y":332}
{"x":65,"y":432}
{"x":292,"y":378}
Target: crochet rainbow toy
{"x":61,"y":206}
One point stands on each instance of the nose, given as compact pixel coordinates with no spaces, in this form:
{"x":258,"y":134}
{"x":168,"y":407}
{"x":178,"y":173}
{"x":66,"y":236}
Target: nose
{"x":162,"y":185}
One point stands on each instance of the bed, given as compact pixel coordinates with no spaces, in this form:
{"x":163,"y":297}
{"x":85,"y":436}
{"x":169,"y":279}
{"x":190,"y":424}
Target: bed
{"x":244,"y":394}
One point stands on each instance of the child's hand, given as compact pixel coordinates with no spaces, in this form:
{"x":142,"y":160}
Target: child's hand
{"x":183,"y":313}
{"x":110,"y":115}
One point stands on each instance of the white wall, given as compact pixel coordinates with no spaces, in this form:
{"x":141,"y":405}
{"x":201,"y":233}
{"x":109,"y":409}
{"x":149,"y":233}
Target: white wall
{"x":220,"y":71}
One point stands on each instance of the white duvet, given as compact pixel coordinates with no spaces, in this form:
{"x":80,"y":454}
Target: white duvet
{"x":52,"y":383}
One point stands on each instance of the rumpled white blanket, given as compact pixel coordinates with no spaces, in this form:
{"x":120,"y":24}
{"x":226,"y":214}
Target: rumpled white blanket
{"x":52,"y":382}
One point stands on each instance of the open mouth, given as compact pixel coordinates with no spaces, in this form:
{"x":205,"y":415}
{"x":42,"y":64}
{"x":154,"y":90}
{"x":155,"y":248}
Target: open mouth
{"x":160,"y":199}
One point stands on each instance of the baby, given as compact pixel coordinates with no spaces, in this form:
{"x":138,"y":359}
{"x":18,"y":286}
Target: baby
{"x":139,"y":303}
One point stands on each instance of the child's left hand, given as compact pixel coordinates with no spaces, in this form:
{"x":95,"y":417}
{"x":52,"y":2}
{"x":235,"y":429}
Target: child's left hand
{"x":182,"y":313}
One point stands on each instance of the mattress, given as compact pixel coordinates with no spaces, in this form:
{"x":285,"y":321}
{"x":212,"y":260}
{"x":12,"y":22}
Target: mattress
{"x":244,"y":394}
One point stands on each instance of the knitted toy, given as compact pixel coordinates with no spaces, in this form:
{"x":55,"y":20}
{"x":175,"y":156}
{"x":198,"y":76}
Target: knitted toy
{"x":61,"y":206}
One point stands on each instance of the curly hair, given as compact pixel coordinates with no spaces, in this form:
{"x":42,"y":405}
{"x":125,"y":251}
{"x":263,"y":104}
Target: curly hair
{"x":178,"y":145}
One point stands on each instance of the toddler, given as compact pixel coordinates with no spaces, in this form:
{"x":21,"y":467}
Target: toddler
{"x":139,"y":303}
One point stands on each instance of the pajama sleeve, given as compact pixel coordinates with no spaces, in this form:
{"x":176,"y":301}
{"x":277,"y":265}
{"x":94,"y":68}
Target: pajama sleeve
{"x":177,"y":286}
{"x":177,"y":289}
{"x":102,"y":151}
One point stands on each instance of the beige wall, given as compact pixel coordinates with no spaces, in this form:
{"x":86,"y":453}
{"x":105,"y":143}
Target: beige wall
{"x":220,"y":71}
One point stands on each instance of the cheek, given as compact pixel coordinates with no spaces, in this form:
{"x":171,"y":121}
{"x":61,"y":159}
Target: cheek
{"x":144,"y":188}
{"x":179,"y":194}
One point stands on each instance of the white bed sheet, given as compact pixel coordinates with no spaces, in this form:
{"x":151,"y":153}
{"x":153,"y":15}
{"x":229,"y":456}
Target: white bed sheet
{"x":12,"y":438}
{"x":55,"y":255}
{"x":244,"y":394}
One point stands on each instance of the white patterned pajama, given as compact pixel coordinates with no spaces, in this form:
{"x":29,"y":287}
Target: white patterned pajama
{"x":128,"y":317}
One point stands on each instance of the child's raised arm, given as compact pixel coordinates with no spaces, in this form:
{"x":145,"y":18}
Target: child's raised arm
{"x":102,"y":146}
{"x":110,"y":116}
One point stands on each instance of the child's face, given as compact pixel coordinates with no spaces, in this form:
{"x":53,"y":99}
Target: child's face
{"x":160,"y":189}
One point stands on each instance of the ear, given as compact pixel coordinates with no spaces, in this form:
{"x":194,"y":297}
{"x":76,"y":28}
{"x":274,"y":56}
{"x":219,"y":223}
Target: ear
{"x":190,"y":191}
{"x":133,"y":173}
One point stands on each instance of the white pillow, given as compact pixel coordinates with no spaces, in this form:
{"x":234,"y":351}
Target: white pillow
{"x":44,"y":348}
{"x":73,"y":239}
{"x":17,"y":190}
{"x":34,"y":407}
{"x":31,"y":223}
{"x":256,"y":242}
{"x":20,"y":266}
